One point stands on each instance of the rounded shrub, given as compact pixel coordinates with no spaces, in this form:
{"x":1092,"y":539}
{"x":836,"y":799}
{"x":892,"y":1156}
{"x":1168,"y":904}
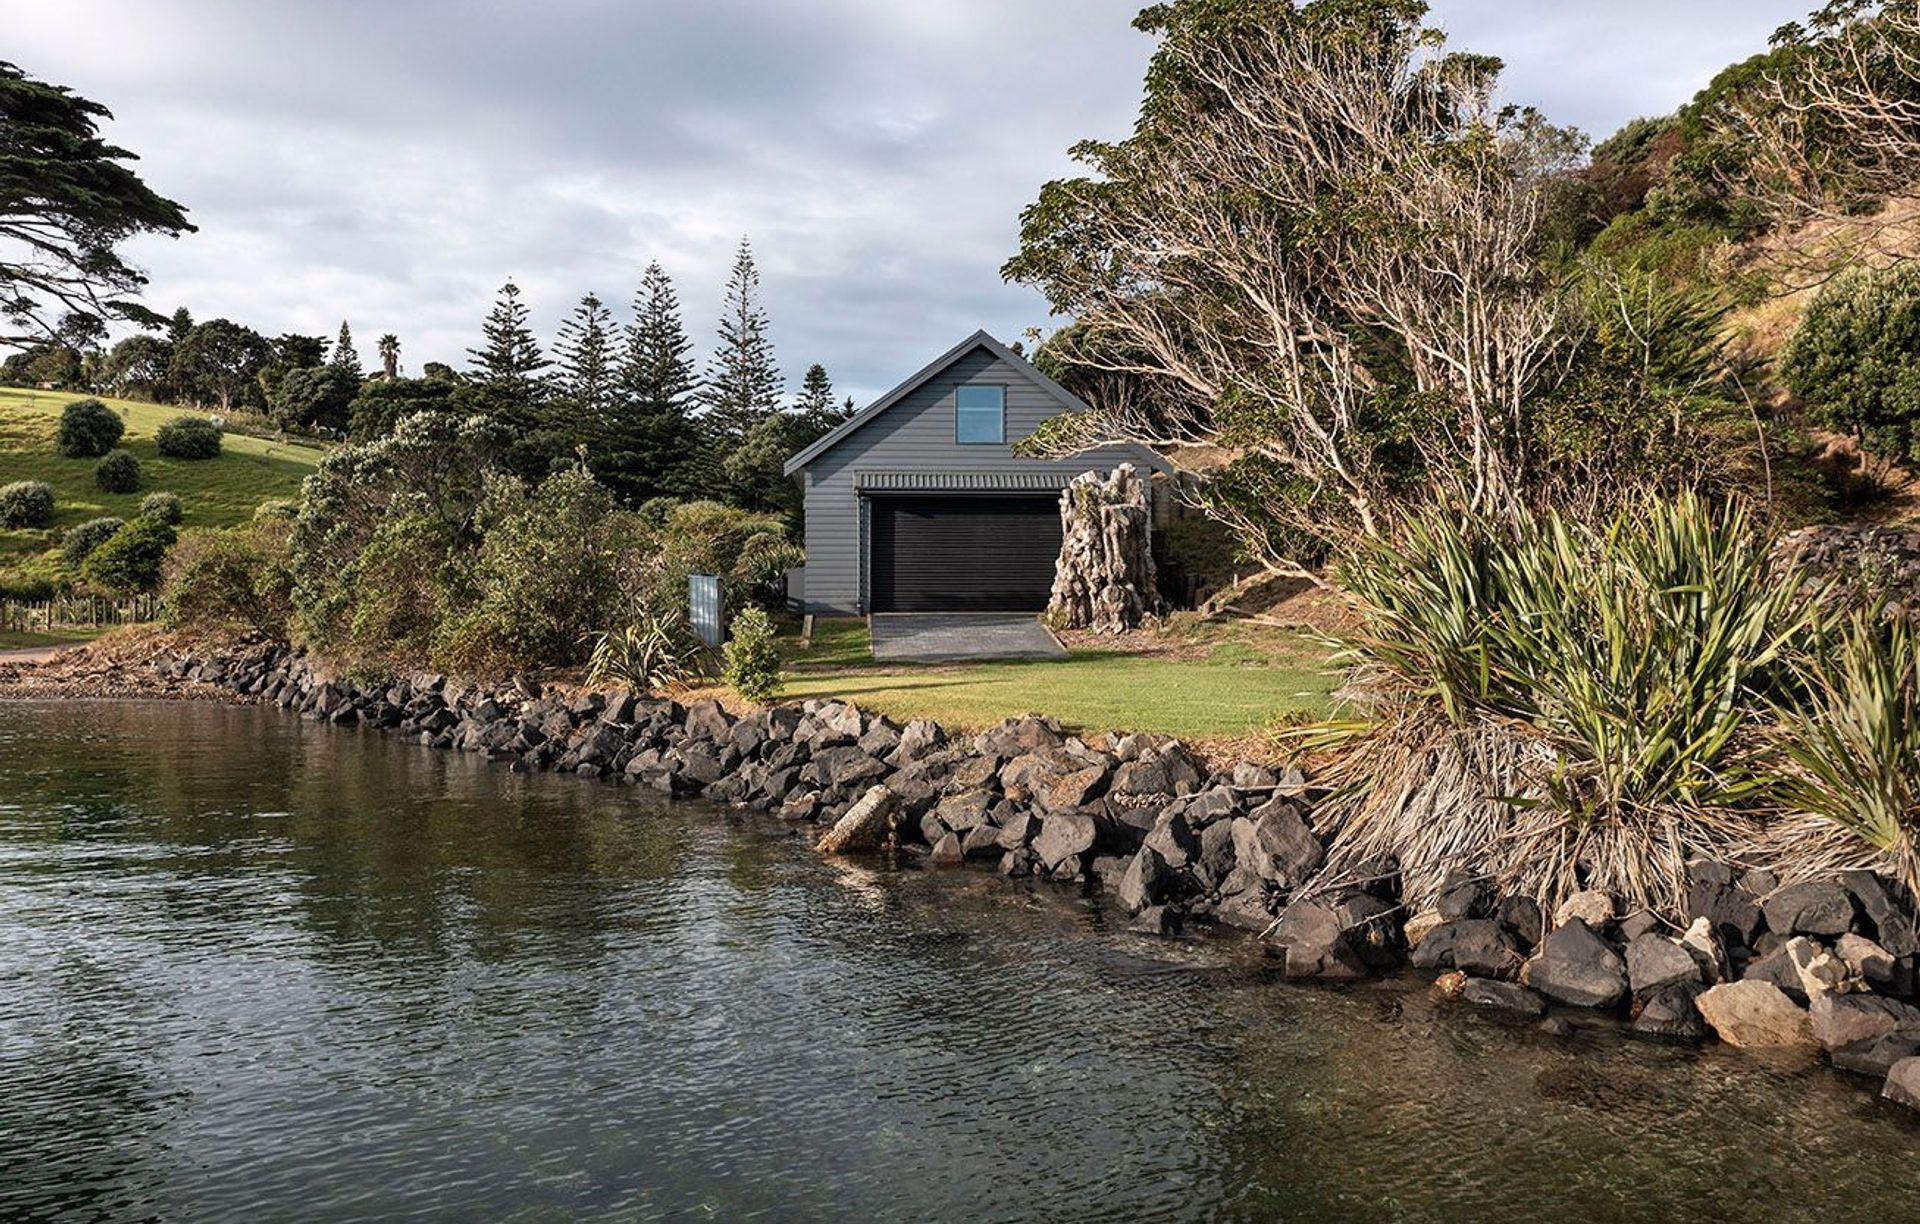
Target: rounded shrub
{"x":163,"y":506}
{"x":118,"y":472}
{"x":1851,"y":359}
{"x":753,"y":658}
{"x":188,"y":437}
{"x":26,"y":503}
{"x":79,"y":542}
{"x":88,"y":429}
{"x":129,"y":561}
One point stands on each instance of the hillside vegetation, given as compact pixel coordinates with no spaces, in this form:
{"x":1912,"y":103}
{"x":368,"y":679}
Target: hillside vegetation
{"x":218,"y":492}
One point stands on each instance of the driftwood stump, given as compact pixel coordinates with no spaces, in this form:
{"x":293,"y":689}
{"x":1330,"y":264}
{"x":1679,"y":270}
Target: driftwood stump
{"x":1104,"y":580}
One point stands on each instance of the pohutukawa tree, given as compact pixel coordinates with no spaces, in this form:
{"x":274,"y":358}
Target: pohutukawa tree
{"x":67,"y":201}
{"x":1314,"y":259}
{"x":1828,"y":129}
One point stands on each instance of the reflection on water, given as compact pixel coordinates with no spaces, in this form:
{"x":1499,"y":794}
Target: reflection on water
{"x":252,"y":968}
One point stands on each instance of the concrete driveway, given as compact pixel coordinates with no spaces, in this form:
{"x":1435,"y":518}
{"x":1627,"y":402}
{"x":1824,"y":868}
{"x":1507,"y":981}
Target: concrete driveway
{"x":951,"y":637}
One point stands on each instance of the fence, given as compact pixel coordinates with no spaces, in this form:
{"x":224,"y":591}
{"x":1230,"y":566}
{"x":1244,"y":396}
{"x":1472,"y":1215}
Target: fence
{"x":76,"y":612}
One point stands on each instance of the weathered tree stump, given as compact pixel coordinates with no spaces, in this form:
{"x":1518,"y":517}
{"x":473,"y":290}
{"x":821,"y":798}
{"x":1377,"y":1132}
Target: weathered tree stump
{"x":1104,"y":580}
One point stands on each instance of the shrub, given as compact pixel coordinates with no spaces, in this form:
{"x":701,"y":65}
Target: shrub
{"x":545,"y":572}
{"x":163,"y":506}
{"x":119,"y":472}
{"x":80,"y":542}
{"x":1855,"y":739}
{"x":217,"y":580}
{"x":188,"y":437}
{"x":26,"y":503}
{"x":1851,"y":360}
{"x":129,"y":561}
{"x":1561,"y":706}
{"x":650,"y":655}
{"x":753,"y":657}
{"x":88,"y":428}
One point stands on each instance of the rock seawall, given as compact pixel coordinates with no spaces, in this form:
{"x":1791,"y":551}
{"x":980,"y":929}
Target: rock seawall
{"x":1821,"y":965}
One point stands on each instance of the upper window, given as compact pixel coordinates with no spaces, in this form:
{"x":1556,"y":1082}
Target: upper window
{"x":980,"y":415}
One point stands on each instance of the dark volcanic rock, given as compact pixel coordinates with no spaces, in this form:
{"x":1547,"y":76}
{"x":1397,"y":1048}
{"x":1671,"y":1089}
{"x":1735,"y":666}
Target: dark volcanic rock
{"x":1275,"y":842}
{"x":1148,"y":881}
{"x":1671,"y":1012}
{"x":1064,"y":837}
{"x":1893,"y":924}
{"x":1809,"y":909}
{"x":1472,"y":945}
{"x":1575,"y":966}
{"x":1717,"y":893}
{"x":1877,"y":1056}
{"x":1520,"y":917}
{"x":1503,"y":996}
{"x":1315,"y":943}
{"x":1655,"y":962}
{"x":1903,"y":1083}
{"x":1466,"y":898}
{"x":1849,"y":1019}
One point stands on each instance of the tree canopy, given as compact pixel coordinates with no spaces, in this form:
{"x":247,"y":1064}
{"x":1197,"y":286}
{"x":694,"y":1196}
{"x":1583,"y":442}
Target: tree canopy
{"x":67,"y":202}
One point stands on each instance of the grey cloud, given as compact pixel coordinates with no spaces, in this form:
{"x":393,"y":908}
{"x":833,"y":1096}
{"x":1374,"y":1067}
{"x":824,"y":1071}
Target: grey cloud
{"x":394,"y":162}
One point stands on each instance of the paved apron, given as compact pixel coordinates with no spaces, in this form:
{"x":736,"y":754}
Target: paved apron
{"x":946,"y":637}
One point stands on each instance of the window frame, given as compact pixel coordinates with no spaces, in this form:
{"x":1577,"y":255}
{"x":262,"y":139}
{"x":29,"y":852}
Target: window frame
{"x":959,"y":413}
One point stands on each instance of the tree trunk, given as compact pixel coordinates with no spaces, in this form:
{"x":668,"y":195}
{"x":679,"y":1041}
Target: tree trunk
{"x":1104,"y":580}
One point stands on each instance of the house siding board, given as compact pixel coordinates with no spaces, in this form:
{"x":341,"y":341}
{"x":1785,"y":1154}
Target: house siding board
{"x":916,"y":435}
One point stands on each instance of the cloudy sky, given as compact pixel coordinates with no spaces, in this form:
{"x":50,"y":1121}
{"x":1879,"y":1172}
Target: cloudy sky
{"x":392,"y":161}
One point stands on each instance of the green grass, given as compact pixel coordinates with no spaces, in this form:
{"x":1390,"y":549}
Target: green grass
{"x":1219,"y":682}
{"x":215,"y":492}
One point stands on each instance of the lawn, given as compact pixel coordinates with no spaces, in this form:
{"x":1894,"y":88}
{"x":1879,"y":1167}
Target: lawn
{"x":1197,"y":682}
{"x":215,"y":492}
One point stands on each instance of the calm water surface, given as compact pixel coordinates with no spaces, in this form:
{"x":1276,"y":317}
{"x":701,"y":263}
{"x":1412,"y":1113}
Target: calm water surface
{"x":256,"y":969}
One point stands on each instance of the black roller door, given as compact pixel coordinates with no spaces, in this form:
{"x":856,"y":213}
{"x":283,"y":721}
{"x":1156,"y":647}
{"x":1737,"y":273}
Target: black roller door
{"x":954,"y":553}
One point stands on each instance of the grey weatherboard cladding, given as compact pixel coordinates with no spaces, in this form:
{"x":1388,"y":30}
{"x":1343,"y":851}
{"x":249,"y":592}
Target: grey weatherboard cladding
{"x":905,"y":443}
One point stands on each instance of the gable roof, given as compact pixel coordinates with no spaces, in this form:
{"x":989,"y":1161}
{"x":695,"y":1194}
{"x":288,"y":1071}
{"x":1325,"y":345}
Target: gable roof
{"x":1069,"y":402}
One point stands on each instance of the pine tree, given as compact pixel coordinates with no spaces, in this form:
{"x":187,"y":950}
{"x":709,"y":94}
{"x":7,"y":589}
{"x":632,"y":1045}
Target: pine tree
{"x":344,"y":355}
{"x":816,"y":404}
{"x":584,"y":379}
{"x":743,"y":383}
{"x":510,"y":360}
{"x":390,"y":356}
{"x":647,"y":445}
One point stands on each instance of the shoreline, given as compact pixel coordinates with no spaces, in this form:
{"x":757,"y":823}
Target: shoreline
{"x":1181,"y":849}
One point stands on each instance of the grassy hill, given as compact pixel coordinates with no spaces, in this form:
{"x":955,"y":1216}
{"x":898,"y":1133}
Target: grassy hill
{"x":215,"y":492}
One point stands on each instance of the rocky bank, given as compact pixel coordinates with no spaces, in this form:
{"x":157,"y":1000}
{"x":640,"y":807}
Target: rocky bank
{"x":1823,"y":966}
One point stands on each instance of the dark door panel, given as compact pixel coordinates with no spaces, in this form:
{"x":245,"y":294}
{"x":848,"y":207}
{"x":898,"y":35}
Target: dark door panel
{"x":956,"y":553}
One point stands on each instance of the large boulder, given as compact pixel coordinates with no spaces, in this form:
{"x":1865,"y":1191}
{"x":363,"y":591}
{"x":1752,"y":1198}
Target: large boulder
{"x":1147,"y":881}
{"x":1816,"y":908}
{"x":1465,"y":897}
{"x":867,"y":825}
{"x":1903,"y":1083}
{"x":1877,"y":1056}
{"x":1575,"y":966}
{"x":1672,"y":1011}
{"x":1849,"y":1019}
{"x":1655,"y":962}
{"x":1163,"y":771}
{"x":1503,"y":996}
{"x":1275,"y":842}
{"x":1756,"y":1015}
{"x":1893,"y":924}
{"x":1725,"y":898}
{"x":1062,"y":837}
{"x":1315,"y":944}
{"x":1473,"y":945}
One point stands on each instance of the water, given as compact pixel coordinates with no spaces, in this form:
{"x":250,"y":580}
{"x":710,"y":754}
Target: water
{"x":252,"y":968}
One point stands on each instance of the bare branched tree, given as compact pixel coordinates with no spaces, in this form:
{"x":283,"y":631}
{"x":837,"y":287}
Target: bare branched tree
{"x":1830,"y":133}
{"x":1323,"y":233}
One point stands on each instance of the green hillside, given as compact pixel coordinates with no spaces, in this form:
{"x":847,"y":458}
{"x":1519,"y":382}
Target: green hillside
{"x":215,"y":492}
